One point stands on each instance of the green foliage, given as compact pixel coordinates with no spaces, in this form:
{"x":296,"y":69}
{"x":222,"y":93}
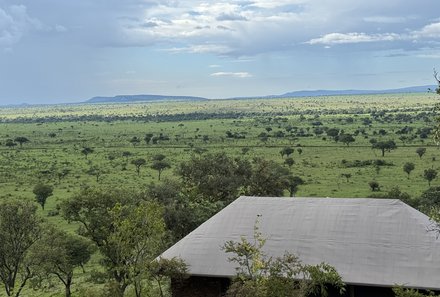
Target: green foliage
{"x":138,"y":163}
{"x":263,"y":276}
{"x":20,"y":228}
{"x":42,"y":192}
{"x":408,"y":167}
{"x":430,"y":174}
{"x":384,"y":146}
{"x":404,"y":292}
{"x":421,"y":151}
{"x":374,"y":185}
{"x":162,"y":270}
{"x":59,"y":253}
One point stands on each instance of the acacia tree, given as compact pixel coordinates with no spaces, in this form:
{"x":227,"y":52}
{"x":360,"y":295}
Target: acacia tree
{"x":138,"y":163}
{"x":346,"y":139}
{"x":160,"y":166}
{"x":21,"y":140}
{"x":42,"y":192}
{"x":20,"y":228}
{"x":384,"y":146}
{"x":59,"y":253}
{"x":86,"y":151}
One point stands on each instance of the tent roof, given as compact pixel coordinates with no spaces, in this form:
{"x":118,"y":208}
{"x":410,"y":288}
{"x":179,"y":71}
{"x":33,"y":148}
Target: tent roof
{"x":378,"y":242}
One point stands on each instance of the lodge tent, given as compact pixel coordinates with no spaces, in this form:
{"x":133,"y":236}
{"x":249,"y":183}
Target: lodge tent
{"x":374,"y":244}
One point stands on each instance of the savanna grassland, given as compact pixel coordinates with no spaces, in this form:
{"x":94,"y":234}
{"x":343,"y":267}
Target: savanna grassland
{"x":72,"y":147}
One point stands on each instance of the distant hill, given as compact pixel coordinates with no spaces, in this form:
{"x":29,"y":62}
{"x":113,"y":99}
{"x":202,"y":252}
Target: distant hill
{"x":139,"y":98}
{"x":417,"y":89}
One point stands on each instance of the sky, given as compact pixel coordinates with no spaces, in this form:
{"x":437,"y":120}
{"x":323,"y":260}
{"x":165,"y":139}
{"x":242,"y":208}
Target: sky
{"x":54,"y":51}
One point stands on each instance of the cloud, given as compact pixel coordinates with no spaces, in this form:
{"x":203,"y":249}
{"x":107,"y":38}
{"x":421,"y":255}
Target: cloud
{"x":426,"y":34}
{"x":385,"y":19}
{"x":232,"y":74}
{"x":341,"y":38}
{"x":15,"y":23}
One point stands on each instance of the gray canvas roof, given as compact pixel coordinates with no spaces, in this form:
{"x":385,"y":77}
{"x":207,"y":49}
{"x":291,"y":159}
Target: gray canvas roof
{"x":379,"y":242}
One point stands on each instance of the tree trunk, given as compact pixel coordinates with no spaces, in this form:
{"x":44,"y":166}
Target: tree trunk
{"x":68,"y":284}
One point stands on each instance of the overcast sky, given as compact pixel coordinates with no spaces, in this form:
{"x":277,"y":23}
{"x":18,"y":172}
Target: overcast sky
{"x":68,"y":51}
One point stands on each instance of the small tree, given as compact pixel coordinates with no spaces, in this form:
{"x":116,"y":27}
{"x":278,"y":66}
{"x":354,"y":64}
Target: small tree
{"x":374,"y":185}
{"x":384,"y":146}
{"x":42,"y":192}
{"x":59,"y":253}
{"x":148,"y":137}
{"x":287,"y":151}
{"x":135,"y":140}
{"x":86,"y":151}
{"x":421,"y":151}
{"x":138,"y":163}
{"x":10,"y":143}
{"x":289,"y":162}
{"x":299,"y":150}
{"x":347,"y":176}
{"x":160,"y":166}
{"x":293,"y":182}
{"x":430,"y":175}
{"x":346,"y":139}
{"x":21,"y":140}
{"x":408,"y":167}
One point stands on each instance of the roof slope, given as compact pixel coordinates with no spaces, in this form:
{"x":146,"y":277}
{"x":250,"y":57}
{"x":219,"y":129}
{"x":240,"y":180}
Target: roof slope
{"x":380,"y":242}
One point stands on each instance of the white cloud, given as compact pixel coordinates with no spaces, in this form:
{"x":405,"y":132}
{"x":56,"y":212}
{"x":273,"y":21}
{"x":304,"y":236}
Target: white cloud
{"x":429,"y":31}
{"x":15,"y":23}
{"x":232,"y":74}
{"x":341,"y":38}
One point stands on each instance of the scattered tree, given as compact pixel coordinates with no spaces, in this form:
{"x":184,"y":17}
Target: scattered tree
{"x":21,"y":140}
{"x":421,"y":151}
{"x":162,"y":270}
{"x":430,"y":174}
{"x":374,"y":185}
{"x":160,"y":166}
{"x":42,"y":192}
{"x":138,"y":163}
{"x":346,"y":139}
{"x":384,"y":146}
{"x":10,"y":143}
{"x":86,"y":151}
{"x":347,"y":176}
{"x":408,"y":167}
{"x":287,"y":151}
{"x":135,"y":140}
{"x":289,"y":162}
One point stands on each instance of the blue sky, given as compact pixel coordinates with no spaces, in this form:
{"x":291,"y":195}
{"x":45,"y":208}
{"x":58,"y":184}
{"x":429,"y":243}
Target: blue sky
{"x":67,"y":51}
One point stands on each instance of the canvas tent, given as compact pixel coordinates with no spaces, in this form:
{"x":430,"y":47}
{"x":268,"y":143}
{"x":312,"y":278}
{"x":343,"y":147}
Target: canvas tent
{"x":373,"y":243}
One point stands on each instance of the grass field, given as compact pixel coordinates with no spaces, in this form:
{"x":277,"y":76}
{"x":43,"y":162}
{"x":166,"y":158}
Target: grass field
{"x":58,"y":134}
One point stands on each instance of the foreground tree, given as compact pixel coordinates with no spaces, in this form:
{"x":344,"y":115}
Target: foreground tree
{"x":20,"y":228}
{"x":42,"y":192}
{"x":59,"y":253}
{"x":261,"y":276}
{"x":127,"y":231}
{"x":163,"y":270}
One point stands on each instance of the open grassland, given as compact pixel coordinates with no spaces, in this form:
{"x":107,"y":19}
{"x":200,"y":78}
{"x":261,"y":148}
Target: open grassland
{"x":243,"y":128}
